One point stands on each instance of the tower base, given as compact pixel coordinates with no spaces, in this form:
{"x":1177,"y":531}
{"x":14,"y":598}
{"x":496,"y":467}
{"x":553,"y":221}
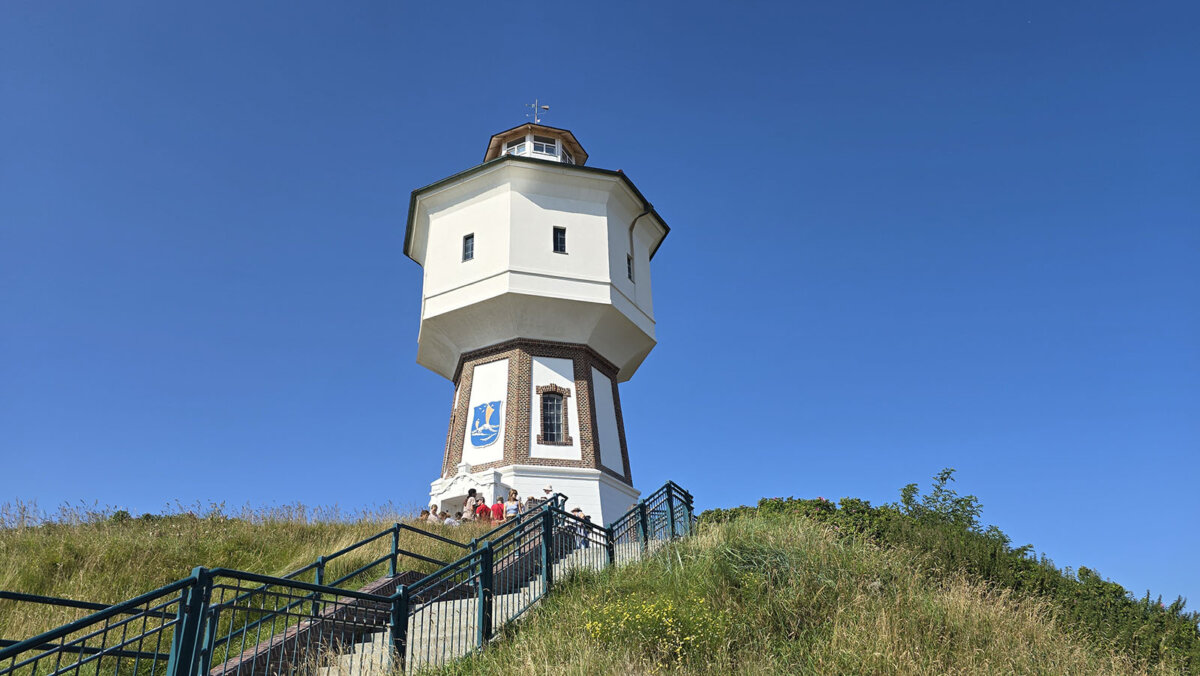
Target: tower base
{"x":600,"y":495}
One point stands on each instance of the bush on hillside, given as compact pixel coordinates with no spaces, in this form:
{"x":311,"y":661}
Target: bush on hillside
{"x":944,"y":526}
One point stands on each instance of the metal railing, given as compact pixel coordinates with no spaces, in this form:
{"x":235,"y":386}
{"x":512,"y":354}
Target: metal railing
{"x":223,"y":622}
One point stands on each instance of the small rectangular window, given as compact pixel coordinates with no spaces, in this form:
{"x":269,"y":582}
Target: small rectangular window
{"x":629,"y":267}
{"x":545,"y":145}
{"x":468,"y":246}
{"x":552,"y":419}
{"x":560,"y":240}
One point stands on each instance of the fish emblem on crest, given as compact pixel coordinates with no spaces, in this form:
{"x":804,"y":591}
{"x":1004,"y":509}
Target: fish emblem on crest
{"x":485,"y":424}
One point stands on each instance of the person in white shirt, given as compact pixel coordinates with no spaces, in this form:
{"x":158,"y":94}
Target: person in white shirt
{"x":448,"y":520}
{"x":471,"y":504}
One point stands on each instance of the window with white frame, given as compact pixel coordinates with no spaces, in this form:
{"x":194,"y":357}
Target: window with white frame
{"x":515,"y":146}
{"x":545,"y":145}
{"x":553,"y":404}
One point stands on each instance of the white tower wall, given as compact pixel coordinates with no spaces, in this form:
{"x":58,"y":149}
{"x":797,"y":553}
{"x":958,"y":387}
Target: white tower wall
{"x":520,"y":323}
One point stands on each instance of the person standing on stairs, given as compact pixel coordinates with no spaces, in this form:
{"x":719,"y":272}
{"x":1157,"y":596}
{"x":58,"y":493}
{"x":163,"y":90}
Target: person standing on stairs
{"x":498,"y":510}
{"x":469,"y":505}
{"x":483,"y":513}
{"x":581,"y":531}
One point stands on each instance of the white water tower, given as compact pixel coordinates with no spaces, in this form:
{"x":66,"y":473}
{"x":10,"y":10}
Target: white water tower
{"x":535,"y":303}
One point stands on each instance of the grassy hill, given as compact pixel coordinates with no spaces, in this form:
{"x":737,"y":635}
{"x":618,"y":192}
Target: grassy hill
{"x":780,"y":595}
{"x":107,"y":556}
{"x":810,"y":587}
{"x":786,"y":586}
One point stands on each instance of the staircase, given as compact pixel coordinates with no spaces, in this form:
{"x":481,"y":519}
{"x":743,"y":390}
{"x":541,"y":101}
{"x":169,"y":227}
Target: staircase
{"x":222,"y":622}
{"x":442,"y":635}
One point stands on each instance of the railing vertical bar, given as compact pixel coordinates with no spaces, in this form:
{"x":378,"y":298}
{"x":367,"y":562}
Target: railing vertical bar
{"x":610,"y":547}
{"x":308,"y":635}
{"x":245,"y":623}
{"x":184,"y":650}
{"x":671,"y":514}
{"x":207,"y":640}
{"x":395,"y":549}
{"x":485,"y":593}
{"x":274,"y":625}
{"x":137,"y":661}
{"x":644,"y":526}
{"x":548,"y":554}
{"x":162,"y":629}
{"x":318,"y":578}
{"x":399,"y":625}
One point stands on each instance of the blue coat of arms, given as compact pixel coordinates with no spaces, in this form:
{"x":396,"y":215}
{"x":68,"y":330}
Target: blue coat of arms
{"x":485,"y":424}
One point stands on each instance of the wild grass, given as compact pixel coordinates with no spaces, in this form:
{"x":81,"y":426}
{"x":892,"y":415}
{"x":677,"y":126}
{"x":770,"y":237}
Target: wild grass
{"x":107,"y":556}
{"x":774,"y":595}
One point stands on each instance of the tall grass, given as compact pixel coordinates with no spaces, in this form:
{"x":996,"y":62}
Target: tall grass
{"x":106,"y":556}
{"x":772,"y":595}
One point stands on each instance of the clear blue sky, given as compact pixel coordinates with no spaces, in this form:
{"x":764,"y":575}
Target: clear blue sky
{"x":906,"y":236}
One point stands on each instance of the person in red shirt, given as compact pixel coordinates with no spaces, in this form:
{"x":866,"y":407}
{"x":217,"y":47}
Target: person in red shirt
{"x":498,"y":510}
{"x":483,"y":513}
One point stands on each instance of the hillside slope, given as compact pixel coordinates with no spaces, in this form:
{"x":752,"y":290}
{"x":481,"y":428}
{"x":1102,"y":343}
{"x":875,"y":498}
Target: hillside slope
{"x":107,"y":559}
{"x":788,"y":595}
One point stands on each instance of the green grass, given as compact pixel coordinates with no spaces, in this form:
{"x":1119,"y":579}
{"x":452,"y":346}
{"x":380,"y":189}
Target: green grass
{"x":791,"y":596}
{"x":106,"y":557}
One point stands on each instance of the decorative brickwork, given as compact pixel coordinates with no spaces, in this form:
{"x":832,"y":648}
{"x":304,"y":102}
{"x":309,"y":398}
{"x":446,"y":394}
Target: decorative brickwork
{"x":518,"y":409}
{"x":565,"y":436}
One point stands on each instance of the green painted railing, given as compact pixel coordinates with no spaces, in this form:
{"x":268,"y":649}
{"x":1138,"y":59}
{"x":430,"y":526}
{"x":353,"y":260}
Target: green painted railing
{"x":221,"y":622}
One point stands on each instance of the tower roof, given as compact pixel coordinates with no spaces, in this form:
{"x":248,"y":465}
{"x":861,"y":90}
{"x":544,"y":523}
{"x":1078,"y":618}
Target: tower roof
{"x":570,"y":143}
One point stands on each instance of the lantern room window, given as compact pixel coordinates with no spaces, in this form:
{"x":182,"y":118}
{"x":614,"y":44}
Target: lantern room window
{"x":544,"y":145}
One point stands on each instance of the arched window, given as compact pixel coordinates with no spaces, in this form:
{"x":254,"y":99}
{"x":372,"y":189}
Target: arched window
{"x":554,"y":430}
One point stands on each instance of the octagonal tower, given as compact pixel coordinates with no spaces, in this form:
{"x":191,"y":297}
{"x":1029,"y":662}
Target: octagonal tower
{"x":536,"y":302}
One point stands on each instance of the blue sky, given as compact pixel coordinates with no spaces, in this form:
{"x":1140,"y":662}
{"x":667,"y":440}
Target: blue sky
{"x":904,"y":237}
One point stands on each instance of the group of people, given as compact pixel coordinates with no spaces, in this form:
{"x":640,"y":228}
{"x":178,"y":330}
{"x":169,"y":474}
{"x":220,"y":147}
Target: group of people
{"x":476,"y":508}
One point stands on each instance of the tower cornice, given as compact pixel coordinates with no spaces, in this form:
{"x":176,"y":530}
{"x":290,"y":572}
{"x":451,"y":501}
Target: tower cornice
{"x":647,"y":207}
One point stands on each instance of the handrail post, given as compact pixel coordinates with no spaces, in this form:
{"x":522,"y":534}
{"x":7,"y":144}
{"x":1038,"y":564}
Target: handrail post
{"x":318,"y":578}
{"x":206,"y":640}
{"x":644,"y":526}
{"x":547,"y":550}
{"x":398,"y":626}
{"x":485,"y":593}
{"x":691,"y":513}
{"x":395,"y":547}
{"x":192,"y":606}
{"x":610,"y":546}
{"x":671,"y":512}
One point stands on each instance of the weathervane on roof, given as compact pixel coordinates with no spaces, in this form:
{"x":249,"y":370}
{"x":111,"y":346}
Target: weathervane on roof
{"x":537,"y":111}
